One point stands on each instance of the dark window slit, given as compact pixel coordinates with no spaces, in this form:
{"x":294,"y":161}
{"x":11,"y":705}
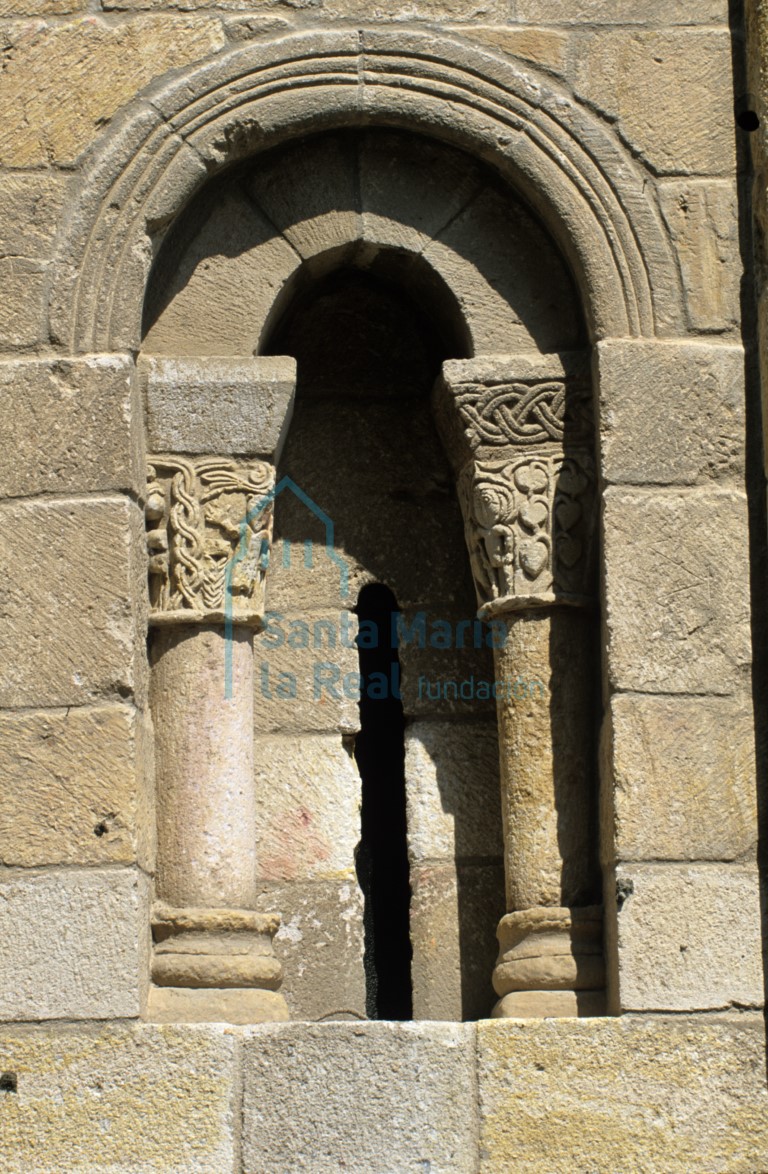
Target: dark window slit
{"x":382,"y":856}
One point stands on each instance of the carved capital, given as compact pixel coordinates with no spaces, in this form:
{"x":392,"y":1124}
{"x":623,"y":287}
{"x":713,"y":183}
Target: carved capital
{"x":505,"y":404}
{"x":529,"y":526}
{"x":519,"y":432}
{"x":209,"y":530}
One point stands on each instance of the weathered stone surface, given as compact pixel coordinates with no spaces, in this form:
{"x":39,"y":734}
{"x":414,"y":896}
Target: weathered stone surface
{"x":89,"y":413}
{"x":189,"y":1005}
{"x":12,"y":8}
{"x":452,"y":782}
{"x":550,"y":1005}
{"x":544,"y":46}
{"x":434,"y":934}
{"x":245,"y":28}
{"x":307,"y":672}
{"x":548,"y":760}
{"x":374,"y":455}
{"x":671,"y":413}
{"x":341,"y":503}
{"x":443,"y":675}
{"x":688,"y":937}
{"x":339,"y":200}
{"x":320,"y":945}
{"x":365,"y":498}
{"x":651,"y":12}
{"x":373,"y":1097}
{"x":676,"y":590}
{"x":312,"y":195}
{"x":217,"y":298}
{"x":616,"y":71}
{"x":75,"y":296}
{"x":117,"y":1099}
{"x":407,"y":206}
{"x":308,"y":802}
{"x":684,"y":784}
{"x":202,"y":711}
{"x":623,"y":1094}
{"x":550,"y":949}
{"x":331,"y":9}
{"x":76,"y":788}
{"x":217,"y":950}
{"x":91,"y":69}
{"x":702,"y":218}
{"x":454,"y":914}
{"x":183,"y":6}
{"x":305,"y":570}
{"x":216,"y":962}
{"x":21,"y":309}
{"x":209,"y":527}
{"x":219,"y":405}
{"x":30,"y":206}
{"x":72,"y":589}
{"x":401,"y":10}
{"x":514,"y":290}
{"x":75,"y":944}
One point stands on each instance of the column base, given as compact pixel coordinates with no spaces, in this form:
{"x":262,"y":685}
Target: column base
{"x":168,"y":1004}
{"x":550,"y":963}
{"x":551,"y":1005}
{"x":217,"y":948}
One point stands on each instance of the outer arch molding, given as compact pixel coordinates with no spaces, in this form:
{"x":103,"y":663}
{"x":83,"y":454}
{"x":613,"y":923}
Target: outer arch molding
{"x":598,"y":203}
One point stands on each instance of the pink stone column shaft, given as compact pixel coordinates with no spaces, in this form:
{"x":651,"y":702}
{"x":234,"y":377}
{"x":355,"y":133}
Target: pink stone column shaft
{"x":206,"y":800}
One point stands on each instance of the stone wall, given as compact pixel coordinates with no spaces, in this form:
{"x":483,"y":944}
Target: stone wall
{"x":637,"y":1093}
{"x":616,"y":219}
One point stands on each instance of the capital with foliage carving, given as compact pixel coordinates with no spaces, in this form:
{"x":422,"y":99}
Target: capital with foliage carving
{"x":519,"y":432}
{"x":209,"y":530}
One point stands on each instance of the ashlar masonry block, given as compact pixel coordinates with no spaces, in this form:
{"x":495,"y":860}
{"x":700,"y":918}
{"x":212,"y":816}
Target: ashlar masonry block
{"x":30,"y":203}
{"x":671,"y":413}
{"x":72,"y":599}
{"x":630,"y":1094}
{"x":308,"y":794}
{"x":454,"y":793}
{"x":683,"y":779}
{"x":121,"y":1099}
{"x":76,"y":787}
{"x":687,"y":129}
{"x":74,"y":76}
{"x":676,"y":586}
{"x":685,"y":937}
{"x":89,"y":413}
{"x":374,"y":1096}
{"x":75,"y":944}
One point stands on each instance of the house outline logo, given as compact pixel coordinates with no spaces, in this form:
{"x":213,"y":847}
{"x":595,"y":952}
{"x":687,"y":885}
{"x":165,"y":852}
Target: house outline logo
{"x":285,"y":483}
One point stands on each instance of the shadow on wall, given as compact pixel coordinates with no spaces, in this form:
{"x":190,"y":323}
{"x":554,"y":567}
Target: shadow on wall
{"x":371,"y":257}
{"x":425,"y":217}
{"x":364,"y":444}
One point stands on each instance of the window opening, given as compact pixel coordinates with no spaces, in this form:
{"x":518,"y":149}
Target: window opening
{"x":382,"y":856}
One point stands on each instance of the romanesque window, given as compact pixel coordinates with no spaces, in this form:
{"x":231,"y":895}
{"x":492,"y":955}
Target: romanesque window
{"x":439,"y":457}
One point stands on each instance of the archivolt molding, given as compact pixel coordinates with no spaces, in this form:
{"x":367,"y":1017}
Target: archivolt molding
{"x":598,"y":203}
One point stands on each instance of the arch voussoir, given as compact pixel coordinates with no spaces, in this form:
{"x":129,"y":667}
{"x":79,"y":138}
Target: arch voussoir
{"x":594,"y":198}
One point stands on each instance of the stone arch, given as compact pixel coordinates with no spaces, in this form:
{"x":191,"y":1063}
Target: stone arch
{"x":597,"y":204}
{"x":514,"y":410}
{"x":596,"y":201}
{"x":426,"y":217}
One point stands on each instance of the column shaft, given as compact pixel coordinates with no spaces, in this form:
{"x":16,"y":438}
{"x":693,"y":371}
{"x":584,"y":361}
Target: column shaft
{"x":546,"y":683}
{"x":519,"y":430}
{"x":206,"y":800}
